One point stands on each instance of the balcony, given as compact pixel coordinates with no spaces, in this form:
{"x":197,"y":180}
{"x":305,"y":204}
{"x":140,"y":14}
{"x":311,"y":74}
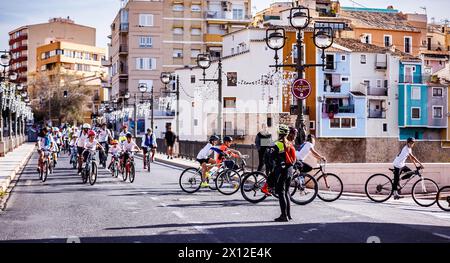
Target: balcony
{"x":374,"y":91}
{"x":335,"y":108}
{"x":235,"y":133}
{"x":123,"y":49}
{"x":124,"y":27}
{"x":377,"y":114}
{"x":381,"y":65}
{"x":215,"y":15}
{"x":19,"y":38}
{"x":106,"y":63}
{"x":123,"y":72}
{"x":212,"y":38}
{"x":19,"y":48}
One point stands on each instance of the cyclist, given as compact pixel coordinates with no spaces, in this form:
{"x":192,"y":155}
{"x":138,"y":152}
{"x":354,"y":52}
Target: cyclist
{"x":305,"y":149}
{"x":123,"y":133}
{"x":91,"y":144}
{"x":45,"y":143}
{"x":57,"y":146}
{"x":129,"y":146}
{"x":203,"y":157}
{"x":225,"y":150}
{"x":400,"y":163}
{"x":115,"y":151}
{"x":284,"y":158}
{"x":82,"y":138}
{"x":148,"y":144}
{"x":104,"y":136}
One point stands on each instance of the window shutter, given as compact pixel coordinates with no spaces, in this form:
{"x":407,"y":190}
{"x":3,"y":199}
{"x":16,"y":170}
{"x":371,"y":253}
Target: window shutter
{"x":138,"y":63}
{"x":153,"y":63}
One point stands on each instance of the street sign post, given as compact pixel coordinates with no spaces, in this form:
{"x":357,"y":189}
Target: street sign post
{"x":301,"y":89}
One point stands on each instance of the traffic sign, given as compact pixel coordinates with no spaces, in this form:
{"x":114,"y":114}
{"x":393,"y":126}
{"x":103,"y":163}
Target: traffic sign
{"x":301,"y":89}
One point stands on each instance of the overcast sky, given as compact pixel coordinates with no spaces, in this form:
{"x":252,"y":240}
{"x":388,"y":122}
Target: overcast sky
{"x":100,"y":13}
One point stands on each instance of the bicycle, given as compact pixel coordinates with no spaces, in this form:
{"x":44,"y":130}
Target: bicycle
{"x":443,"y":198}
{"x":129,"y":168}
{"x":329,"y":184}
{"x":102,"y":155}
{"x":90,"y":170}
{"x":115,"y":166}
{"x":251,"y":186}
{"x":147,"y":158}
{"x":191,"y":178}
{"x":45,"y":166}
{"x":73,"y":157}
{"x":228,"y":181}
{"x":379,"y":187}
{"x":303,"y":188}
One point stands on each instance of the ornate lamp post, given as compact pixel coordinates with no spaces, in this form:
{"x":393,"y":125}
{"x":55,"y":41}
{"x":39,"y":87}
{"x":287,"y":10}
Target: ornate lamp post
{"x":275,"y":39}
{"x":166,"y":77}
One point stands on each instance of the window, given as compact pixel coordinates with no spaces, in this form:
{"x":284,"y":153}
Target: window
{"x":408,"y":74}
{"x":229,"y":102}
{"x":429,"y":43}
{"x":145,"y":63}
{"x":178,"y":31}
{"x":437,"y":112}
{"x":145,"y":42}
{"x":196,"y":31}
{"x":192,"y":78}
{"x":367,"y":38}
{"x":408,"y":45}
{"x":335,"y":123}
{"x":312,"y":125}
{"x":269,"y":121}
{"x":346,"y":123}
{"x":178,"y":8}
{"x":195,"y":122}
{"x":379,"y":83}
{"x":415,"y":93}
{"x":329,"y":61}
{"x":345,"y":79}
{"x":196,"y":8}
{"x":194,"y":53}
{"x":79,"y":67}
{"x":95,"y":57}
{"x":232,"y":51}
{"x":343,"y":57}
{"x":238,"y":14}
{"x":363,"y":59}
{"x":87,"y":68}
{"x":415,"y":113}
{"x":87,"y":56}
{"x":177,"y":53}
{"x":387,"y":40}
{"x":437,"y":92}
{"x":145,"y":20}
{"x":384,"y":127}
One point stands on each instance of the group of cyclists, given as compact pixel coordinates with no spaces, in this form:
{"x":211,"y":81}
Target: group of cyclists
{"x":84,"y":139}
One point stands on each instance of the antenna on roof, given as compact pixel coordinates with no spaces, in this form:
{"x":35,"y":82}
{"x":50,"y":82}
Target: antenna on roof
{"x":354,"y":2}
{"x":424,"y":8}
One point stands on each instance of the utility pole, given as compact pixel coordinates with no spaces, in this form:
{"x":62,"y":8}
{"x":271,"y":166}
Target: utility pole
{"x":135,"y":115}
{"x":177,"y":93}
{"x":151,"y":108}
{"x":219,"y":83}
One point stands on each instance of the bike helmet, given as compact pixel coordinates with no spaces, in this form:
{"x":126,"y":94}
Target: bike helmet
{"x":129,"y":135}
{"x":227,"y":139}
{"x":283,"y":129}
{"x":86,"y":126}
{"x":293,"y":130}
{"x":214,"y":138}
{"x":55,"y":129}
{"x":91,"y":133}
{"x":411,"y":139}
{"x":114,"y":142}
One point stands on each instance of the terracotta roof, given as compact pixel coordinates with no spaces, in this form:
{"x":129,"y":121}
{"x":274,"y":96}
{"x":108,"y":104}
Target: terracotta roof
{"x":378,"y":20}
{"x":356,"y":45}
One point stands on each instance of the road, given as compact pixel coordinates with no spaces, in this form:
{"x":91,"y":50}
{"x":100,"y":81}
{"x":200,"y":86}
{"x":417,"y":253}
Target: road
{"x":154,"y":209}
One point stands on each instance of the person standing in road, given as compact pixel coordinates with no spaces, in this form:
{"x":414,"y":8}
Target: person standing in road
{"x":263,"y":141}
{"x":170,"y":139}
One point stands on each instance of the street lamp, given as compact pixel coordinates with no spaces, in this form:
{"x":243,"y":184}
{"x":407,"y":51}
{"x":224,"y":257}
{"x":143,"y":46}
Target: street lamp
{"x":299,"y":19}
{"x":204,"y":62}
{"x":165,"y":77}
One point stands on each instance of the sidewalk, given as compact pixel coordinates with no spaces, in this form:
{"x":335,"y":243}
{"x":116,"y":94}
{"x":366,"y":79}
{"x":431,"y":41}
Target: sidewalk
{"x":11,"y":165}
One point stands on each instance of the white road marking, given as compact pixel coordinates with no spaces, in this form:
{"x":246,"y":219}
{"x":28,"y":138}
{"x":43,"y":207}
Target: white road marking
{"x":441,"y":235}
{"x":179,"y":214}
{"x":29,"y":182}
{"x":163,"y":204}
{"x":154,"y":198}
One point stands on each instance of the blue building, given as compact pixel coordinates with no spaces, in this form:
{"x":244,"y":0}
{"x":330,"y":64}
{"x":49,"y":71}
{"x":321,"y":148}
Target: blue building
{"x":422,"y":104}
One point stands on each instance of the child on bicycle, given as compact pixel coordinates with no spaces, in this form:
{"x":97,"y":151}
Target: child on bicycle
{"x":91,"y":145}
{"x":128,"y":146}
{"x":305,"y":149}
{"x":400,"y":163}
{"x":225,"y":150}
{"x":45,"y":144}
{"x":203,"y":157}
{"x":115,"y":151}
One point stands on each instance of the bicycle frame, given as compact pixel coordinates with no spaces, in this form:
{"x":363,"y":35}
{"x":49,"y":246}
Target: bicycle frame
{"x":416,"y":173}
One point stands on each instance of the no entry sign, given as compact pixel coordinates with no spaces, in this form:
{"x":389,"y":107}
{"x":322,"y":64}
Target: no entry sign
{"x":301,"y":89}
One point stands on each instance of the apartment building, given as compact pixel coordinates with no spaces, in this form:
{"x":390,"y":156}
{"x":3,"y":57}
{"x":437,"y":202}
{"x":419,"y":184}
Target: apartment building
{"x":24,"y":40}
{"x":81,"y":61}
{"x":149,"y":37}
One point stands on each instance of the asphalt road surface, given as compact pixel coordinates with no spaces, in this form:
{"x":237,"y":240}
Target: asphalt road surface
{"x":154,"y":209}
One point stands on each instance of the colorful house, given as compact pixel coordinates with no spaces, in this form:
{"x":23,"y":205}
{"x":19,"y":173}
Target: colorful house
{"x":422,"y":104}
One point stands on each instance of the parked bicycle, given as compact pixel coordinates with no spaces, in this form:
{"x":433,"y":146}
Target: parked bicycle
{"x":379,"y":187}
{"x":443,"y":198}
{"x":90,"y":170}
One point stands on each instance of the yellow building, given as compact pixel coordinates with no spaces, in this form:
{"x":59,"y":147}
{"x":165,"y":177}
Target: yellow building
{"x":82,"y":61}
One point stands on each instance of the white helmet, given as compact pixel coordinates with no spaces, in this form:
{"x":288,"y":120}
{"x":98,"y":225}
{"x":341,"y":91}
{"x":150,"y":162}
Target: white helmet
{"x":86,"y":126}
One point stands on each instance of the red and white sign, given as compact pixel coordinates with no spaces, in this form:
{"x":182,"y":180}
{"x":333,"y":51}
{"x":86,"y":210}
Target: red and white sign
{"x":301,"y":89}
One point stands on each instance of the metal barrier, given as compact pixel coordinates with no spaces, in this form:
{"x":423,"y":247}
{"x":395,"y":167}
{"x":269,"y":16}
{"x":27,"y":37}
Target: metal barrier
{"x":190,"y":149}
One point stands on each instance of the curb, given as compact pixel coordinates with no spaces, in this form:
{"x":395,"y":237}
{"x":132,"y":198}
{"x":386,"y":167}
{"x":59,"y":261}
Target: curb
{"x":13,"y":178}
{"x":165,"y":161}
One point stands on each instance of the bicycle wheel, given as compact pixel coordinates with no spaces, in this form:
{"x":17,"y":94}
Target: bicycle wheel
{"x":378,"y":188}
{"x":115,"y":170}
{"x":124,"y":173}
{"x":148,"y":162}
{"x":74,"y":163}
{"x":330,"y":187}
{"x":45,"y":172}
{"x":132,"y":172}
{"x":251,"y":186}
{"x":228,"y":182}
{"x":93,"y":173}
{"x":424,"y":192}
{"x":190,"y":180}
{"x":443,"y":198}
{"x":303,"y":190}
{"x":50,"y":167}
